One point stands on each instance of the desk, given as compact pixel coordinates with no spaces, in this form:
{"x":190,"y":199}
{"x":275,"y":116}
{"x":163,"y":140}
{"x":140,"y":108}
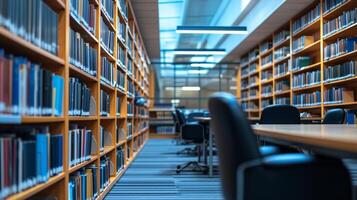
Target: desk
{"x":336,"y":140}
{"x":206,"y":122}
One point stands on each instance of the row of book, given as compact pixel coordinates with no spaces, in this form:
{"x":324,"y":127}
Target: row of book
{"x":340,"y":47}
{"x":253,"y":54}
{"x":33,"y":20}
{"x":108,"y":9}
{"x":27,"y":88}
{"x":306,"y":19}
{"x":129,"y":130}
{"x":267,"y":60}
{"x":123,"y":7}
{"x":244,"y":106}
{"x":82,"y":54}
{"x":244,"y":84}
{"x":264,"y":47}
{"x":80,"y":144}
{"x":118,"y":106}
{"x":329,"y":5}
{"x":302,"y":42}
{"x":83,"y":184}
{"x":301,"y":62}
{"x":107,"y":36}
{"x":121,"y":56}
{"x":104,"y":103}
{"x":120,"y":159}
{"x":129,"y":45}
{"x":267,"y":102}
{"x":281,"y":36}
{"x":29,"y":156}
{"x":282,"y":85}
{"x":253,"y":93}
{"x":84,"y":12}
{"x":244,"y":94}
{"x":120,"y":80}
{"x":79,"y":98}
{"x":282,"y":101}
{"x":165,"y":130}
{"x":346,"y":19}
{"x":253,"y":67}
{"x":282,"y":68}
{"x":281,"y":52}
{"x":130,"y":108}
{"x":307,"y":99}
{"x":266,"y":75}
{"x":107,"y":72}
{"x":253,"y":105}
{"x":245,"y":71}
{"x":267,"y":90}
{"x":104,"y":169}
{"x":130,"y":66}
{"x":253,"y":81}
{"x":307,"y":79}
{"x":338,"y":95}
{"x":122,"y":30}
{"x":131,"y":88}
{"x":340,"y":71}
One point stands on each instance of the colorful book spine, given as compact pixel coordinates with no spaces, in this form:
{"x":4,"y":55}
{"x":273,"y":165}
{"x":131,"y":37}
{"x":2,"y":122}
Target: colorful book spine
{"x":338,"y":95}
{"x":340,"y":47}
{"x":307,"y":79}
{"x":307,"y":99}
{"x":83,"y":184}
{"x":80,"y":145}
{"x":79,"y":98}
{"x":346,"y":19}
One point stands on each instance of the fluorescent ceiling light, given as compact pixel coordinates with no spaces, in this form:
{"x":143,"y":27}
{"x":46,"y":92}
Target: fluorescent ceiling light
{"x":191,"y":88}
{"x":212,"y":29}
{"x":199,"y":51}
{"x":233,"y":88}
{"x":204,"y":65}
{"x":197,"y":71}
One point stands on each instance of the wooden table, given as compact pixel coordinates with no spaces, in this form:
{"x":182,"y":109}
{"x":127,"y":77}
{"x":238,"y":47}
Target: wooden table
{"x":336,"y":140}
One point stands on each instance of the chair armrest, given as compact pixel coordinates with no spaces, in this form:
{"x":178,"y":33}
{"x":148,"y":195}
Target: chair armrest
{"x":294,"y":177}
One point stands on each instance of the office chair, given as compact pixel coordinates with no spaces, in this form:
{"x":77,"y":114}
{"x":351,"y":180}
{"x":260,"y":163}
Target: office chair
{"x":248,"y":175}
{"x":334,"y":116}
{"x":194,"y":133}
{"x":280,"y":114}
{"x":191,"y":116}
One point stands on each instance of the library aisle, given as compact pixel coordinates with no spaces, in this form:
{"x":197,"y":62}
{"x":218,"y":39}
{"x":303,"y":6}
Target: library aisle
{"x":152,"y":176}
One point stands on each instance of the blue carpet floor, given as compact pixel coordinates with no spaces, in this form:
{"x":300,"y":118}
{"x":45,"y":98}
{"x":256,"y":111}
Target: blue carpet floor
{"x":152,"y":176}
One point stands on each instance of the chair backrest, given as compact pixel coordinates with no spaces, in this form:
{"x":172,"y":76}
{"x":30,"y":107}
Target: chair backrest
{"x":234,"y":138}
{"x":180,"y":117}
{"x":334,"y":116}
{"x":280,"y":114}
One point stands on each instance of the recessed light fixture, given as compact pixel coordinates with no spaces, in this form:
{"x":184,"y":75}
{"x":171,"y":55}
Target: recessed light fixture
{"x":191,"y":88}
{"x":197,"y":71}
{"x":203,"y":65}
{"x":199,"y":51}
{"x":212,"y":29}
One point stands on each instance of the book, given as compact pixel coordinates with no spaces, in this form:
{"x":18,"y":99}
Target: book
{"x":346,"y":19}
{"x":123,"y":8}
{"x":84,"y":12}
{"x":281,"y":53}
{"x":83,"y":184}
{"x":281,"y":36}
{"x":282,"y":86}
{"x":337,"y":95}
{"x":267,"y":102}
{"x":282,"y":101}
{"x":80,"y":144}
{"x":329,"y":5}
{"x":108,"y":9}
{"x":79,"y":98}
{"x":267,"y":60}
{"x":301,"y":62}
{"x":120,"y":83}
{"x":38,"y":23}
{"x":107,"y":71}
{"x":307,"y":79}
{"x":264,"y":47}
{"x":310,"y":17}
{"x":118,"y":105}
{"x":30,"y":156}
{"x":267,"y":90}
{"x":340,"y":71}
{"x":340,"y":47}
{"x":82,"y":54}
{"x":282,"y":68}
{"x":104,"y":103}
{"x":307,"y":99}
{"x":104,"y":172}
{"x":302,"y":42}
{"x":28,"y":88}
{"x":120,"y":159}
{"x":106,"y":36}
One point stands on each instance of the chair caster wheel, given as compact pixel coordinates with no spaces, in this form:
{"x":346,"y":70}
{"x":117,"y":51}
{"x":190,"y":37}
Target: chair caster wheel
{"x":177,"y":171}
{"x":178,"y":167}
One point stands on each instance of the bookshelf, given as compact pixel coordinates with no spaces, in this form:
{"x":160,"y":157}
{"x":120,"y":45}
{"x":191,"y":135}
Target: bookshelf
{"x":161,"y":124}
{"x":308,"y":56}
{"x":115,"y":48}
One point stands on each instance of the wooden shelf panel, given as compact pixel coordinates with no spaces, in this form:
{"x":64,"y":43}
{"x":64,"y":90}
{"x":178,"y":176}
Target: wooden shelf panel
{"x":85,"y":34}
{"x":83,"y":164}
{"x":75,"y":71}
{"x":20,"y":46}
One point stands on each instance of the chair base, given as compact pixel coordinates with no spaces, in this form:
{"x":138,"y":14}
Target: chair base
{"x":196,"y":167}
{"x":188,"y":150}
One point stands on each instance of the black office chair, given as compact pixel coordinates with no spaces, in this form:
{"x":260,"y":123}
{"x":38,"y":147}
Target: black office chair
{"x":248,"y":175}
{"x":280,"y":114}
{"x":334,"y":116}
{"x":194,"y":133}
{"x":191,"y":116}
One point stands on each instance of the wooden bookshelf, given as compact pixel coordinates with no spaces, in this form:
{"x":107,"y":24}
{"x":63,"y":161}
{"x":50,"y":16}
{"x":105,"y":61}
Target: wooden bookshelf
{"x":314,"y":49}
{"x":60,"y":64}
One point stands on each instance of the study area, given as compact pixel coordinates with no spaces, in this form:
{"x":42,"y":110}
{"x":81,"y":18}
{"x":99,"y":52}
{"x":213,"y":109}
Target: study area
{"x":178,"y":99}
